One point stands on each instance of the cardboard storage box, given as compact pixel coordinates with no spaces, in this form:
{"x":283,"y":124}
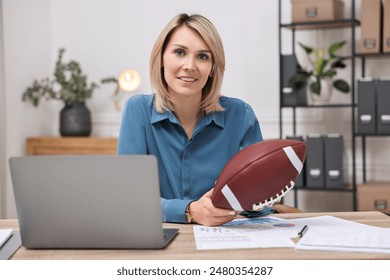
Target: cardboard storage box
{"x":315,"y":10}
{"x":386,"y":26}
{"x":374,"y":196}
{"x":371,"y":23}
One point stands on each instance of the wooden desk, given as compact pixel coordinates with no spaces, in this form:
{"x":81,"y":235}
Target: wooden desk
{"x":183,"y":246}
{"x":71,"y":146}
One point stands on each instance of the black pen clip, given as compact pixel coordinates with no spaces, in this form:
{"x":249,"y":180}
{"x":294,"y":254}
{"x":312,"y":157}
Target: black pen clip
{"x":303,"y":231}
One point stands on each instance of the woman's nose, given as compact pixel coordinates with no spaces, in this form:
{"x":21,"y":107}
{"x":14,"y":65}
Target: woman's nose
{"x":190,"y":63}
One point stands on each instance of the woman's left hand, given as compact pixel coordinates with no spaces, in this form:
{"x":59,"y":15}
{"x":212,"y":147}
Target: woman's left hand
{"x":203,"y":212}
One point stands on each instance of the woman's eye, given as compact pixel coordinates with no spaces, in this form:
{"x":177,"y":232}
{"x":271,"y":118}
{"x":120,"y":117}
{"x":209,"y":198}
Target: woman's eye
{"x":203,"y":56}
{"x":180,"y":52}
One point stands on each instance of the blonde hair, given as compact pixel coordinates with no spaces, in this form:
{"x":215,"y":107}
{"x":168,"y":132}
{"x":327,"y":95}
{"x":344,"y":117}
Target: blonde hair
{"x":211,"y":91}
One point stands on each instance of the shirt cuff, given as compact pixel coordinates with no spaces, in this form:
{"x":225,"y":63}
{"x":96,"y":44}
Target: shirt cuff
{"x":174,"y":210}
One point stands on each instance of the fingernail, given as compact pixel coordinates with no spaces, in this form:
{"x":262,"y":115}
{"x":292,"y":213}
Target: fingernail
{"x":232,"y":213}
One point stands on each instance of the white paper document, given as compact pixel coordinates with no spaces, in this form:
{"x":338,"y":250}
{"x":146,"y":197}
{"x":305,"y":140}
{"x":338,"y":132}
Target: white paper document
{"x":335,"y":234}
{"x":264,"y":232}
{"x":5,"y":234}
{"x":324,"y":233}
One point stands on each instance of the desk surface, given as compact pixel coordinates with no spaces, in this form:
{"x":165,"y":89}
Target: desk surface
{"x":183,"y":246}
{"x":71,"y":146}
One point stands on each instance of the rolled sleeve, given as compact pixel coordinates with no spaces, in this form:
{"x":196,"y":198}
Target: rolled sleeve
{"x":174,"y":210}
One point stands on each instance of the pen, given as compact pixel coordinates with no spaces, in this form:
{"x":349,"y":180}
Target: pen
{"x":302,"y":232}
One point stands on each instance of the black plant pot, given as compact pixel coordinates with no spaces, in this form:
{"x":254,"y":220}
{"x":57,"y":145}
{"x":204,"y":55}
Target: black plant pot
{"x":75,"y":120}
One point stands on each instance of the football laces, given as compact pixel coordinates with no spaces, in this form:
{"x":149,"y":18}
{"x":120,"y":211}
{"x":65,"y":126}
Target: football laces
{"x":271,"y":201}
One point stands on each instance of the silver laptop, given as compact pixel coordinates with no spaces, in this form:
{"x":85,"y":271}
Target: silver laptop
{"x":89,"y":202}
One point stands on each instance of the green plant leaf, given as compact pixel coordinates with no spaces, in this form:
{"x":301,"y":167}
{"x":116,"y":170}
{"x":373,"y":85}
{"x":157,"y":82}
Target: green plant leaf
{"x":315,"y":87}
{"x":307,"y":49}
{"x":299,"y":80}
{"x":69,"y":84}
{"x":335,"y":47}
{"x":325,"y":63}
{"x":320,"y":66}
{"x":341,"y":85}
{"x":338,"y":64}
{"x":330,"y":73}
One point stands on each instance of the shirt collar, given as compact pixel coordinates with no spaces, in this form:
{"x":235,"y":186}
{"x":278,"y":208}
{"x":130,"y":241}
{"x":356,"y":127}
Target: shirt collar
{"x":158,"y":117}
{"x":216,"y":117}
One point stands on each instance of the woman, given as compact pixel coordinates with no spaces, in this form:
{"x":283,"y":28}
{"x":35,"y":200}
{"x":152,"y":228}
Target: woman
{"x":191,"y":129}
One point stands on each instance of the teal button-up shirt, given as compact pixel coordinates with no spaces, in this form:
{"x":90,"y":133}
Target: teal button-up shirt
{"x":188,"y":168}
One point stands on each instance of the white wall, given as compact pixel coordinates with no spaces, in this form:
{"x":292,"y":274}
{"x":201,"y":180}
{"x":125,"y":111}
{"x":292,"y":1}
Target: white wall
{"x":108,"y":36}
{"x":2,"y":117}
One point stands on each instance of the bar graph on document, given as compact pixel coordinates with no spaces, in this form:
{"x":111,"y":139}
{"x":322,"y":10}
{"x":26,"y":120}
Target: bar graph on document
{"x":259,"y":223}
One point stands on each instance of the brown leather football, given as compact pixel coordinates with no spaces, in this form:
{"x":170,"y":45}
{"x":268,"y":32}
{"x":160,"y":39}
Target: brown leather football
{"x":259,"y":175}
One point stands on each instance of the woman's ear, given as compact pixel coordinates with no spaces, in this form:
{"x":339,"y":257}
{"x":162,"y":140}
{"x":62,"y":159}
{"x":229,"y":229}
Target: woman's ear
{"x":211,"y":72}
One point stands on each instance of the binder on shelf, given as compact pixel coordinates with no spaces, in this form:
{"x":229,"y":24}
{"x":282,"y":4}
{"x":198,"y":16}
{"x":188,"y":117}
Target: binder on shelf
{"x":300,"y":181}
{"x":383,"y":106}
{"x":315,"y":161}
{"x":371,"y":23}
{"x":334,"y":173}
{"x":386,"y":26}
{"x":366,"y":106}
{"x":289,"y":96}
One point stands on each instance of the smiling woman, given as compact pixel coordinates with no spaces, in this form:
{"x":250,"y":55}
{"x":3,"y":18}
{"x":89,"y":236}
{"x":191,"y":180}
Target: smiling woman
{"x":209,"y":44}
{"x":187,"y":65}
{"x":191,"y":129}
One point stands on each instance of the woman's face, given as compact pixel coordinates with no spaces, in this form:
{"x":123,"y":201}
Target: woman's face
{"x":187,"y":63}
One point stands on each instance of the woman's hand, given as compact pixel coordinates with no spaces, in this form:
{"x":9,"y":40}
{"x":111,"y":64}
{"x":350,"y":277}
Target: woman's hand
{"x":203,"y":212}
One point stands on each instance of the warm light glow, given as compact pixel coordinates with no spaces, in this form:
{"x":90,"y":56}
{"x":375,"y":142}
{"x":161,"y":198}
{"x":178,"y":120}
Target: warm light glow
{"x":129,"y":80}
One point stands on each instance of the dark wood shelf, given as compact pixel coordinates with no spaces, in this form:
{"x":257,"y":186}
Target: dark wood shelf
{"x":347,"y":188}
{"x":374,"y":55}
{"x":371,"y":135}
{"x":321,"y":106}
{"x":325,"y":24}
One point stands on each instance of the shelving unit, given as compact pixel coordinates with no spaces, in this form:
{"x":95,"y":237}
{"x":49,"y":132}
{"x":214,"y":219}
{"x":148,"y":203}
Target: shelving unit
{"x":351,"y":24}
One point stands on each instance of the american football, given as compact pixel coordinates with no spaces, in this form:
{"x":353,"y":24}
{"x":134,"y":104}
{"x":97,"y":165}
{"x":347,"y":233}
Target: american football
{"x":259,"y":175}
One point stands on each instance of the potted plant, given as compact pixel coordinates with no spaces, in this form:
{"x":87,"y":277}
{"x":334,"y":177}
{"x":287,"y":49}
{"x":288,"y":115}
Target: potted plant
{"x":319,"y":80}
{"x":70,"y":86}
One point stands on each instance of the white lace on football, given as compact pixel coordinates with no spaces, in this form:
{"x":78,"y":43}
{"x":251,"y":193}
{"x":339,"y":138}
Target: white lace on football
{"x":269,"y":202}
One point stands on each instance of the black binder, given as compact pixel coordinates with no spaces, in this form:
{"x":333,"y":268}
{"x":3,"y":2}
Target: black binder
{"x":383,"y":106}
{"x":289,"y":96}
{"x":366,"y":106}
{"x":315,"y":162}
{"x":334,"y":175}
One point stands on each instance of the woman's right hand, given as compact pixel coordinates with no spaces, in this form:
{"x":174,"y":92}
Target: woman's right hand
{"x":203,"y":212}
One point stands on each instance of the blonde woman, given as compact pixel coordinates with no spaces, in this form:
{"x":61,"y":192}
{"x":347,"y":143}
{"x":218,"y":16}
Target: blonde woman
{"x":191,"y":129}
